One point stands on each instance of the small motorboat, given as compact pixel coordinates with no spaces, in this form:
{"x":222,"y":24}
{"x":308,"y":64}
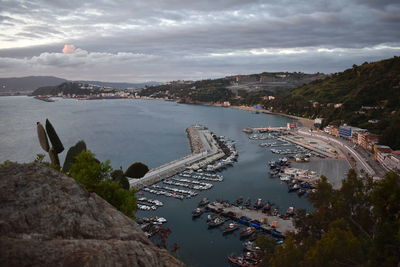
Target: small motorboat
{"x":290,"y":211}
{"x":251,"y":246}
{"x":258,"y":204}
{"x":218,"y":220}
{"x":246,"y":232}
{"x":231,"y":227}
{"x":239,"y":201}
{"x":267,"y":207}
{"x":197,"y":212}
{"x":240,"y":261}
{"x":204,"y":202}
{"x":301,"y":192}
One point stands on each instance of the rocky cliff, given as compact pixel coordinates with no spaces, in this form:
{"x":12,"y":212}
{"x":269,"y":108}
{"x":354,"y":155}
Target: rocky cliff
{"x":47,"y":219}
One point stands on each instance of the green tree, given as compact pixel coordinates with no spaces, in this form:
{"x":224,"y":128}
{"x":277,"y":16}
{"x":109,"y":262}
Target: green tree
{"x":88,"y":171}
{"x":357,"y":225}
{"x":136,"y":170}
{"x":96,"y":177}
{"x":122,"y":199}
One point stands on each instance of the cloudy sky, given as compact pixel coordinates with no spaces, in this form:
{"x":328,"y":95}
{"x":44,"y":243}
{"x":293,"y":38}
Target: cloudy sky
{"x":161,"y":40}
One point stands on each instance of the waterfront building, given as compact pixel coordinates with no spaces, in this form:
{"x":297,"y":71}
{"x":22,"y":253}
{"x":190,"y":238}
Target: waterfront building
{"x":291,"y":126}
{"x":367,"y":140}
{"x":318,"y":121}
{"x":332,"y":130}
{"x":389,"y":161}
{"x":348,"y":131}
{"x":379,"y":150}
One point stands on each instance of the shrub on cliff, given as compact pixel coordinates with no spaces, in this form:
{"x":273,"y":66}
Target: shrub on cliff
{"x":137,"y":170}
{"x":95,"y":176}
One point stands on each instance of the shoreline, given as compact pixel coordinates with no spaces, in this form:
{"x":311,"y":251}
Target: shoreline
{"x":304,"y":121}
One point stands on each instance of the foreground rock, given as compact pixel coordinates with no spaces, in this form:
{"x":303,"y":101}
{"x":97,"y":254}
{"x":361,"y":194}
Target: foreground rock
{"x":47,"y":219}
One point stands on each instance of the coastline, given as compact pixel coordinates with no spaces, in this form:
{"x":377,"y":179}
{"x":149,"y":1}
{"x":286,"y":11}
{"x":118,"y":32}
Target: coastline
{"x":304,"y":121}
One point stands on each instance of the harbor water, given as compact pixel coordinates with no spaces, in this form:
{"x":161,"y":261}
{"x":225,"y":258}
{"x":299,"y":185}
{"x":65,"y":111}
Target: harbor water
{"x":153,"y":132}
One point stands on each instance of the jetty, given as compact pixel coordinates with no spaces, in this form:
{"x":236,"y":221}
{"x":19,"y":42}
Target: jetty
{"x":283,"y":225}
{"x":205,"y":150}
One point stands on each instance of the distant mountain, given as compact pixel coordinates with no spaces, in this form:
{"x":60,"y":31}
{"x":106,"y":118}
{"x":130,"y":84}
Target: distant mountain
{"x":27,"y":84}
{"x":64,"y":88}
{"x":31,"y":83}
{"x":119,"y":85}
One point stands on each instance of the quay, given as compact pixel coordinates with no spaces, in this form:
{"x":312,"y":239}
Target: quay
{"x":205,"y":150}
{"x":325,"y":151}
{"x":265,"y":129}
{"x":282,"y":225}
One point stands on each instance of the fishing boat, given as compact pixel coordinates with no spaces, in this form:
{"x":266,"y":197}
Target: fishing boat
{"x":290,"y":211}
{"x":197,"y":212}
{"x":246,"y":232}
{"x":231,"y":227}
{"x":267,"y":207}
{"x":258,"y":204}
{"x":301,"y":192}
{"x":247,"y":203}
{"x":294,"y":187}
{"x":218,"y":220}
{"x":204,"y":202}
{"x":239,"y":201}
{"x":240,"y":261}
{"x":251,"y":246}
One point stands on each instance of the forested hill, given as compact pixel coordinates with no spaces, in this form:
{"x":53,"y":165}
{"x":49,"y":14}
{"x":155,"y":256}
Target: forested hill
{"x":27,"y":84}
{"x":370,"y":84}
{"x":64,"y":88}
{"x":366,"y":96}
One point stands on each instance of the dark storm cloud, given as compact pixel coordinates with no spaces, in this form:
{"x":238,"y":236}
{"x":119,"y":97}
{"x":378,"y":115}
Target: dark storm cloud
{"x":197,"y":39}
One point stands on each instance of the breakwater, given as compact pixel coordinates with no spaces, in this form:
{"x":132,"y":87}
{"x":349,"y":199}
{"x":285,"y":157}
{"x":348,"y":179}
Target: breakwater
{"x":205,"y":150}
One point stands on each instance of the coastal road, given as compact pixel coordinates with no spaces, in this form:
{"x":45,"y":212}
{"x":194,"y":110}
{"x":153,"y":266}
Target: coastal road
{"x":344,"y":147}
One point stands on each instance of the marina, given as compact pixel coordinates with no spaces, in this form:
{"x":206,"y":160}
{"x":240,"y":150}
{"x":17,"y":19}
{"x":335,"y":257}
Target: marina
{"x":247,"y":177}
{"x":208,"y":151}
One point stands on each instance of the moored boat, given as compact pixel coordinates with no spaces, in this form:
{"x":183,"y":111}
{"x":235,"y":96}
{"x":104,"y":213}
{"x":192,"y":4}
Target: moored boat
{"x":240,"y":261}
{"x":231,"y":227}
{"x":197,"y":212}
{"x":251,"y":246}
{"x":258,"y":204}
{"x":218,"y":220}
{"x":204,"y":202}
{"x":246,"y":232}
{"x":239,"y":201}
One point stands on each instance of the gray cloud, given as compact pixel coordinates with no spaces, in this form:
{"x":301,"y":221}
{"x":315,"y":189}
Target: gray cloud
{"x":160,"y":40}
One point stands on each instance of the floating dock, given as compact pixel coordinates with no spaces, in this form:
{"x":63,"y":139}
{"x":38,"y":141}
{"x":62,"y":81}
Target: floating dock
{"x":205,"y":150}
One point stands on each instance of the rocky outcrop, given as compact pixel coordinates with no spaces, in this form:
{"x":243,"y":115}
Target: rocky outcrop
{"x":47,"y":219}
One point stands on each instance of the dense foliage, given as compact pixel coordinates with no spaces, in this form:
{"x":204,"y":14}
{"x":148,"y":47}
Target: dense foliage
{"x":369,"y":96}
{"x":220,"y":90}
{"x":95,"y":176}
{"x":65,"y":88}
{"x":199,"y":91}
{"x":358,"y":225}
{"x":136,"y":170}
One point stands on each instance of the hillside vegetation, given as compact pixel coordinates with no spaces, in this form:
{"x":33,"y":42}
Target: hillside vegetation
{"x":239,"y":90}
{"x":64,"y":88}
{"x":367,"y":96}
